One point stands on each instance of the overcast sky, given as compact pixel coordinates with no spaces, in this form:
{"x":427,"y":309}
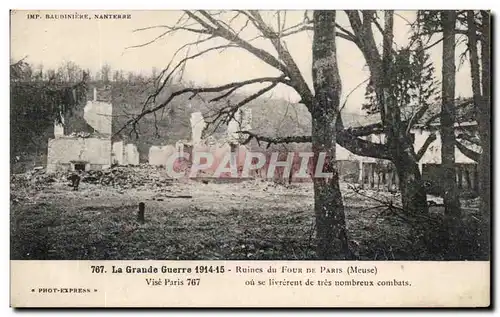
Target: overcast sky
{"x":92,"y":43}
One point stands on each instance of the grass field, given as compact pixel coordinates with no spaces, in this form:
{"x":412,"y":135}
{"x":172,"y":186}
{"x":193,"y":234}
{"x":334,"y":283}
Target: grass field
{"x":251,"y":220}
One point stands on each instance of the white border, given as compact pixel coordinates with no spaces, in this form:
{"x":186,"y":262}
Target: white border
{"x":185,"y":4}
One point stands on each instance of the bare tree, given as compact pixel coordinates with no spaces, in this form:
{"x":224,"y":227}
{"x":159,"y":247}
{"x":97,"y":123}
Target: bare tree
{"x":37,"y":103}
{"x":106,"y":73}
{"x":384,"y":77}
{"x":69,"y":72}
{"x":475,"y":26}
{"x":479,"y":35}
{"x":322,"y":103}
{"x":118,"y":76}
{"x":447,"y":119}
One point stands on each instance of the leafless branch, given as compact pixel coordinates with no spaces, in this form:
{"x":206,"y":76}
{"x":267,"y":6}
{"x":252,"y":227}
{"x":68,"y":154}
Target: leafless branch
{"x":294,"y":73}
{"x":431,"y":138}
{"x":431,"y":119}
{"x":374,"y":128}
{"x":344,"y":138}
{"x":152,"y":97}
{"x":352,"y":91}
{"x":226,"y":114}
{"x":196,"y":91}
{"x":434,"y":44}
{"x":468,"y":138}
{"x":416,"y":117}
{"x":473,"y":155}
{"x":276,"y":140}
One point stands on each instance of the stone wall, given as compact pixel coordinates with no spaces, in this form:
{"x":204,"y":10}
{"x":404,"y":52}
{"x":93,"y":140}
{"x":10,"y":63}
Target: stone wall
{"x":197,"y":126}
{"x":99,"y":116}
{"x":130,"y":155}
{"x":117,"y":153}
{"x":64,"y":150}
{"x":158,"y":155}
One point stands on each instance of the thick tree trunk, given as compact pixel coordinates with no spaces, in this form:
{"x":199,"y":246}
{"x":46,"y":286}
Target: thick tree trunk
{"x":485,"y":113}
{"x":399,"y":144}
{"x":331,"y":230}
{"x":482,"y":103}
{"x":447,"y":119}
{"x":413,"y":193}
{"x":484,"y":173}
{"x":484,"y":119}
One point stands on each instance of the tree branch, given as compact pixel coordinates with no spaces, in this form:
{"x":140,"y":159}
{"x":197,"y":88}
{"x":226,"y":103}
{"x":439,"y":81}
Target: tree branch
{"x":344,"y":138}
{"x":430,"y":120}
{"x":374,"y":128}
{"x":276,"y":140}
{"x":420,"y":153}
{"x":347,"y":138}
{"x":195,"y":91}
{"x":152,"y":97}
{"x":473,"y":155}
{"x":417,"y":116}
{"x":295,"y":75}
{"x":230,"y":36}
{"x":230,"y":111}
{"x":473,"y":139}
{"x":362,"y":147}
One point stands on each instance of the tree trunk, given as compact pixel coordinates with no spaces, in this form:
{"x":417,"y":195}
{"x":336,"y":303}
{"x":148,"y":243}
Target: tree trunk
{"x":413,"y":193}
{"x":482,"y":103}
{"x":331,"y":230}
{"x":485,"y":128}
{"x":447,"y":119}
{"x":400,"y":145}
{"x":485,"y":112}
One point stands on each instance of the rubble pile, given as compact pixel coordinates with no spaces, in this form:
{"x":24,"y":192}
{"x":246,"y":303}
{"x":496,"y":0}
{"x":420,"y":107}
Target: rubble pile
{"x":126,"y":177}
{"x":122,"y":177}
{"x":35,"y":177}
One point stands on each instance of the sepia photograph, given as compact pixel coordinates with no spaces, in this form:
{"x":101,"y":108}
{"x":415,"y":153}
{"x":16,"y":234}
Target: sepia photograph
{"x":348,"y":135}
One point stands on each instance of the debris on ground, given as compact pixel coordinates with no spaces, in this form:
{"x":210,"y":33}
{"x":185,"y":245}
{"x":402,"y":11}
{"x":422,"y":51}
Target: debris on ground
{"x":126,"y":177}
{"x":251,"y":219}
{"x":121,"y":177}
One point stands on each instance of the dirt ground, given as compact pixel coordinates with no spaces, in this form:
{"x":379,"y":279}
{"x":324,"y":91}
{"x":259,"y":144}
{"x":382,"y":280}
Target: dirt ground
{"x":252,"y":220}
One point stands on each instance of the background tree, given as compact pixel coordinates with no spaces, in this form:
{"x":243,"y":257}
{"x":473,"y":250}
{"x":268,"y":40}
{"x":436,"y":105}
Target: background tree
{"x":478,"y":34}
{"x":475,"y":27}
{"x":106,"y":73}
{"x":386,"y":72}
{"x":118,"y":76}
{"x":447,"y":118}
{"x":36,"y":104}
{"x":69,"y":72}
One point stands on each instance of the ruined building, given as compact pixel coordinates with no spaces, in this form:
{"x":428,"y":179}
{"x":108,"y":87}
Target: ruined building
{"x":229,"y":141}
{"x":84,"y":139}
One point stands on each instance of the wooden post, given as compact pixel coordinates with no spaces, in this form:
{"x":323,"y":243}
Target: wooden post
{"x":371,"y":176}
{"x":396,"y":180}
{"x":476,"y":178}
{"x":473,"y":180}
{"x":140,"y":215}
{"x":389,"y":179}
{"x":460,"y":176}
{"x":384,"y":178}
{"x":467,"y":178}
{"x":361,"y":173}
